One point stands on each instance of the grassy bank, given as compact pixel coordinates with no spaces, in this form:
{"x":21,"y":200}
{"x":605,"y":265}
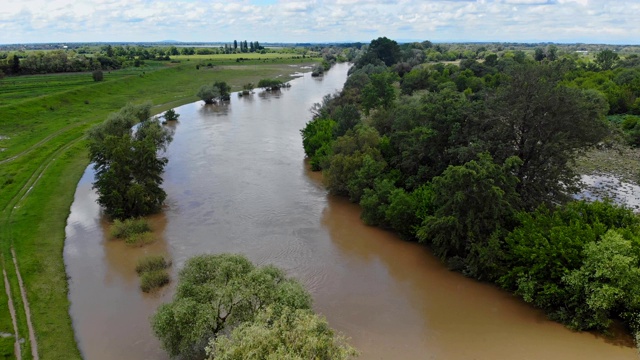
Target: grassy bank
{"x":43,"y":159}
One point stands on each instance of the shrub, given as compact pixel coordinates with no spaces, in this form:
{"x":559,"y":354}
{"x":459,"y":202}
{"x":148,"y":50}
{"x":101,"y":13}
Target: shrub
{"x":122,"y":229}
{"x":97,"y":75}
{"x":152,"y":263}
{"x":140,"y":239}
{"x":171,"y":115}
{"x":152,"y":280}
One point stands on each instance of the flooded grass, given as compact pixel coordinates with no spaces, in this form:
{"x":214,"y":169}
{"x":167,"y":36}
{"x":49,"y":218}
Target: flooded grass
{"x":123,"y":229}
{"x":152,"y":263}
{"x":140,"y":239}
{"x":152,"y":280}
{"x":620,"y":161}
{"x":611,"y":173}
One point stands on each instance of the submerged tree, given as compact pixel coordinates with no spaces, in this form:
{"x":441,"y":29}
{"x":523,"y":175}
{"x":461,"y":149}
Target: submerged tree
{"x":127,"y":167}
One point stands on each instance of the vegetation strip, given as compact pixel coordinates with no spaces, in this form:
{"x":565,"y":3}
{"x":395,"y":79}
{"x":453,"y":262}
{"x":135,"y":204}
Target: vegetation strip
{"x":12,"y":312}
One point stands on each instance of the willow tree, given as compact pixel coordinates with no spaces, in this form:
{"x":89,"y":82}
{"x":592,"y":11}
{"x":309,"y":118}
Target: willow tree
{"x":127,"y":166}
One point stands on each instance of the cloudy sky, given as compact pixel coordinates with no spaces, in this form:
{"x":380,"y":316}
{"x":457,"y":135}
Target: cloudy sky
{"x":590,"y":21}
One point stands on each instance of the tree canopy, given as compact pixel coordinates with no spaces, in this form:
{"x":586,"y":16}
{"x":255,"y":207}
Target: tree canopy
{"x":218,"y":293}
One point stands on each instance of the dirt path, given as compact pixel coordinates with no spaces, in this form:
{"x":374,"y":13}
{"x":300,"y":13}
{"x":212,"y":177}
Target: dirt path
{"x":12,"y":311}
{"x":27,"y":310}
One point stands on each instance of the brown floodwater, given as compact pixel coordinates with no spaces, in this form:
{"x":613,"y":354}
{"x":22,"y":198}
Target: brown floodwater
{"x":237,"y":183}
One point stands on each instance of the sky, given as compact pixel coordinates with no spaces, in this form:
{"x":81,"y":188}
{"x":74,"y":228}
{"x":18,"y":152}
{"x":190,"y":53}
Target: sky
{"x":559,"y":21}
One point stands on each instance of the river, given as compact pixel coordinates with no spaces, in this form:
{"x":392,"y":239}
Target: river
{"x":237,"y":182}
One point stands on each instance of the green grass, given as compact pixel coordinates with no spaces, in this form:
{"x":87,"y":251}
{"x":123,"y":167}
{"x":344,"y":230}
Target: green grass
{"x":46,"y":129}
{"x":16,"y":89}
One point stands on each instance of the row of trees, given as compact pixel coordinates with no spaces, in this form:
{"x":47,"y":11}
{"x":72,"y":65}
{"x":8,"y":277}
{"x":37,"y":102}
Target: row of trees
{"x":475,"y":161}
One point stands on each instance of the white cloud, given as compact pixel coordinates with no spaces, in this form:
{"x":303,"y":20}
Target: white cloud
{"x":315,"y":21}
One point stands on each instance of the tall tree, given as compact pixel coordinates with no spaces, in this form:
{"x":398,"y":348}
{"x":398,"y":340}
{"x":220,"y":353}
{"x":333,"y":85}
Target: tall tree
{"x":606,"y":59}
{"x":128,"y":169}
{"x":545,"y":124}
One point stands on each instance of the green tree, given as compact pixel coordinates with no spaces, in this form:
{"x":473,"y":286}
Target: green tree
{"x":208,"y":94}
{"x":607,"y":281}
{"x":606,"y":59}
{"x":127,"y":167}
{"x":171,"y":115}
{"x":382,"y":50}
{"x":285,"y":334}
{"x":97,"y":75}
{"x":545,"y":124}
{"x":15,"y":65}
{"x":224,"y":89}
{"x":217,"y":293}
{"x":471,"y":202}
{"x":379,"y":92}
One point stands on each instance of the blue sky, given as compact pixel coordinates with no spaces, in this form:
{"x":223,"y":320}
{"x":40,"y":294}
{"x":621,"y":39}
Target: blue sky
{"x":590,"y":21}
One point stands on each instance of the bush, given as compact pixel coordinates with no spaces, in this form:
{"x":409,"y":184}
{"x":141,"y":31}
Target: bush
{"x":123,"y":229}
{"x":152,"y":263}
{"x":171,"y":115}
{"x":140,"y":239}
{"x":152,"y":280}
{"x":97,"y":75}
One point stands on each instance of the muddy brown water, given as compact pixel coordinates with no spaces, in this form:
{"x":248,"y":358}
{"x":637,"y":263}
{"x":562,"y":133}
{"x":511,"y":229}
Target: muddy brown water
{"x":237,"y":182}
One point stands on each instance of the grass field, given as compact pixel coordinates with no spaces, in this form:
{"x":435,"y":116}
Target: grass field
{"x":43,"y":120}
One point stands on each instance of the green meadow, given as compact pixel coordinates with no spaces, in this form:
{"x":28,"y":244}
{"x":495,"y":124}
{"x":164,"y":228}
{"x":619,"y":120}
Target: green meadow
{"x":43,"y":119}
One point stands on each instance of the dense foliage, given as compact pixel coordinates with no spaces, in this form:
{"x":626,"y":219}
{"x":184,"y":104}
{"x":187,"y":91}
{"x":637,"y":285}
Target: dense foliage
{"x":127,"y":167}
{"x":474,"y":160}
{"x":219,"y":293}
{"x":281,"y":334}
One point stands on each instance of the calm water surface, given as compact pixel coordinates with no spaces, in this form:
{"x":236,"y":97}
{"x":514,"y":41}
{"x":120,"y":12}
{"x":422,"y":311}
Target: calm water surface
{"x":237,"y":182}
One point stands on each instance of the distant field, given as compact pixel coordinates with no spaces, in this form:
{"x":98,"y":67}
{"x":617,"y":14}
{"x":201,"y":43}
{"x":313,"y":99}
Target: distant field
{"x":222,"y":57}
{"x":15,"y":89}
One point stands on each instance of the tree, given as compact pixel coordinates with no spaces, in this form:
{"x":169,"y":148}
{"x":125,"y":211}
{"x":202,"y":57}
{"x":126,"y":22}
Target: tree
{"x":208,"y":94}
{"x":235,"y":45}
{"x":217,"y":293}
{"x":381,"y":49}
{"x":472,"y":201}
{"x":286,"y":334}
{"x":97,"y":75}
{"x":545,"y":124}
{"x":171,"y":115}
{"x":379,"y":92}
{"x":127,"y":167}
{"x":606,"y":59}
{"x":15,"y":65}
{"x":608,"y":280}
{"x":224,"y":89}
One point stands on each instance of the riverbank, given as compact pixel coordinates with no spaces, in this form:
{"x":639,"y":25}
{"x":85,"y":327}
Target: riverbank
{"x":42,"y":160}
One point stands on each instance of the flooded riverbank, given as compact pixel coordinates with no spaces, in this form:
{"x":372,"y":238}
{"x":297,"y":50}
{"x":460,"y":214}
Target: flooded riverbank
{"x":237,"y":182}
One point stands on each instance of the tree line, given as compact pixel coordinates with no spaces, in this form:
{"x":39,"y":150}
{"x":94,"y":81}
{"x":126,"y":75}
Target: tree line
{"x":474,"y":160}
